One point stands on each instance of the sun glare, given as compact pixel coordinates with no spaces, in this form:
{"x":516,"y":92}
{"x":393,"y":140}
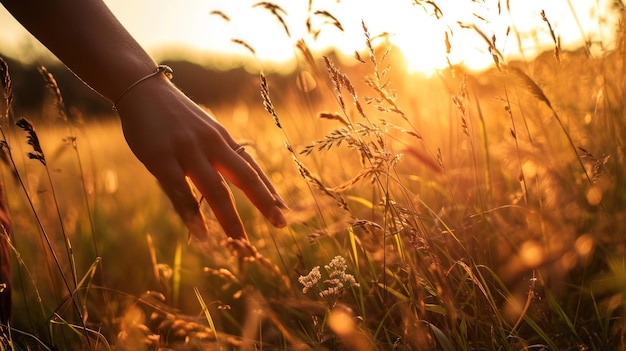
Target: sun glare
{"x":430,"y":34}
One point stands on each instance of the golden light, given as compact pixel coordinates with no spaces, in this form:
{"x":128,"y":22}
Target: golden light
{"x":531,"y":254}
{"x":594,"y":196}
{"x":585,"y":245}
{"x":429,"y":33}
{"x":341,"y":323}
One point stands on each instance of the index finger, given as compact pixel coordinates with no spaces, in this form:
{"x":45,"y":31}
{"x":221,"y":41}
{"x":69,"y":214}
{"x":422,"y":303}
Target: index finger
{"x":270,"y":186}
{"x":218,"y":196}
{"x":248,"y":177}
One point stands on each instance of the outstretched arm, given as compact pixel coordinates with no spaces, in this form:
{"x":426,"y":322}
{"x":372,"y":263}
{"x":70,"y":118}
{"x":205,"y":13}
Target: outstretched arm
{"x":168,"y":132}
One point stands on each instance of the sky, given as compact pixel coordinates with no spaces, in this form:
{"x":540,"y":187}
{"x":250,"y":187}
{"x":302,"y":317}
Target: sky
{"x":412,"y":25}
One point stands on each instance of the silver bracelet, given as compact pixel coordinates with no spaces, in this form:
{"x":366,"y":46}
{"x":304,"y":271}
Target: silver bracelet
{"x":167,"y":70}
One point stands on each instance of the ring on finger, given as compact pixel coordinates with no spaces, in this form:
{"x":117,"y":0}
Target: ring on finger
{"x":240,"y":149}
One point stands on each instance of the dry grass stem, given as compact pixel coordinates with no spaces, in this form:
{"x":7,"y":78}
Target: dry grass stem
{"x":220,"y":14}
{"x":277,"y":11}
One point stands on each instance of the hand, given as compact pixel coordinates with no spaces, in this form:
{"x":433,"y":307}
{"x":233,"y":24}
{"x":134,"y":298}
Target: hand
{"x":174,"y":138}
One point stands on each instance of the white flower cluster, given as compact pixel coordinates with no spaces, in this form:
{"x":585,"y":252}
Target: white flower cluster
{"x":339,"y":279}
{"x":310,"y":280}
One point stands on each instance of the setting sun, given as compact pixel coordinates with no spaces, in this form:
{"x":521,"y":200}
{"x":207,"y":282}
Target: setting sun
{"x":430,"y":36}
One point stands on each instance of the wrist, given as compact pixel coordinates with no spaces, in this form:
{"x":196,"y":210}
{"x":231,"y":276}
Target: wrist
{"x":161,"y":70}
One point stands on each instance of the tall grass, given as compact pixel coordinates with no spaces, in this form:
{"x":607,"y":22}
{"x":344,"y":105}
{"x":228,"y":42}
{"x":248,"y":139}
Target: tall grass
{"x":462,"y":212}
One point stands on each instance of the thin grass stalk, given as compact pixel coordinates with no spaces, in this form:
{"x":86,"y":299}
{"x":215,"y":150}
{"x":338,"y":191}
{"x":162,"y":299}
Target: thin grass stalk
{"x":177,"y":276}
{"x":280,"y":254}
{"x":22,"y":264}
{"x":5,"y":147}
{"x":291,"y":341}
{"x":81,"y":330}
{"x":604,"y":323}
{"x":40,"y":343}
{"x":440,"y":336}
{"x":514,"y":134}
{"x":342,"y":80}
{"x":562,"y":315}
{"x":32,"y":207}
{"x":81,"y":170}
{"x":467,"y":125}
{"x":506,"y":294}
{"x":485,"y":138}
{"x":269,"y":107}
{"x":339,"y":81}
{"x":66,"y":239}
{"x":474,"y":151}
{"x":534,"y":89}
{"x":385,"y":226}
{"x":438,"y":156}
{"x":87,"y":280}
{"x":68,"y":244}
{"x":540,"y":199}
{"x":67,"y":117}
{"x":360,"y":298}
{"x":617,"y":124}
{"x":27,"y":126}
{"x":207,"y":315}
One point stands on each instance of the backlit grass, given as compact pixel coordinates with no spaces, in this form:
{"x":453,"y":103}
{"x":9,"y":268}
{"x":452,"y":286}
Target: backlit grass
{"x":461,"y":212}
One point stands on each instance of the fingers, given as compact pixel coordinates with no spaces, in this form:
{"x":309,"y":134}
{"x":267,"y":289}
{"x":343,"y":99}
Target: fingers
{"x":175,"y":186}
{"x":241,"y":151}
{"x":248,"y":158}
{"x":239,"y":168}
{"x":175,"y":139}
{"x":236,"y":164}
{"x":242,"y":170}
{"x":218,"y":196}
{"x":244,"y":173}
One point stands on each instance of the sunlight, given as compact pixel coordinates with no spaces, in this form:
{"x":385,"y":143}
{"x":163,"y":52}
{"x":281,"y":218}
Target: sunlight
{"x":430,"y":37}
{"x":481,"y":209}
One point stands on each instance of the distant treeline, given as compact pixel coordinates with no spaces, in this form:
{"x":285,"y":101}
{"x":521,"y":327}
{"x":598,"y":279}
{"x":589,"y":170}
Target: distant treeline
{"x":212,"y":87}
{"x":205,"y":86}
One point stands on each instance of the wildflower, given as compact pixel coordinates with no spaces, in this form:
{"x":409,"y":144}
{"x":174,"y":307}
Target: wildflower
{"x":310,"y":280}
{"x":337,"y":265}
{"x":338,"y":280}
{"x":330,"y":291}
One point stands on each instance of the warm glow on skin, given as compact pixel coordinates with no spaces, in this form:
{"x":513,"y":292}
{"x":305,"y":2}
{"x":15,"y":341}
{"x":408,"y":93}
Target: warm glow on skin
{"x":418,"y":30}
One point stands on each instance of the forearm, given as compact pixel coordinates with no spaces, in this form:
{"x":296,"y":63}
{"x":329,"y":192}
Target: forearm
{"x":174,"y":138}
{"x":87,"y":37}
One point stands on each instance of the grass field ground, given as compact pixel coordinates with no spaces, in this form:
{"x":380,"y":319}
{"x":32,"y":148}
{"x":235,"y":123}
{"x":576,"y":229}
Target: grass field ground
{"x":461,"y":212}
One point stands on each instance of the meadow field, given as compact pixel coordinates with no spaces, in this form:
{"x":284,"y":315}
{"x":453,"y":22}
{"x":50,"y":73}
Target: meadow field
{"x":464,"y":211}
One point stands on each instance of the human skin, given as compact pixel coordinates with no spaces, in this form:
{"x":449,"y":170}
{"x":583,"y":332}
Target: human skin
{"x":169,"y":133}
